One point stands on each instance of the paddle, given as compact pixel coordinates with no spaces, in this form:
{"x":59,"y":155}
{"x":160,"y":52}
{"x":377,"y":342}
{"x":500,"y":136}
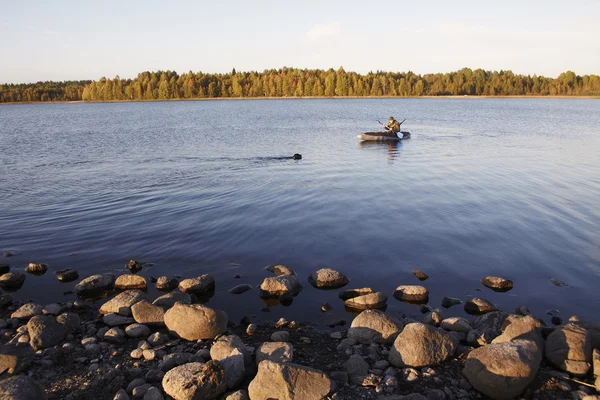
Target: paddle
{"x":385,"y":126}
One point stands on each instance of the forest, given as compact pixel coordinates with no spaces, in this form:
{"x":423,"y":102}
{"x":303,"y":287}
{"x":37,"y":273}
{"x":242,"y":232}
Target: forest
{"x":293,"y":82}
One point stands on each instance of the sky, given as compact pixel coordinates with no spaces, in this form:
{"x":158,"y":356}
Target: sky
{"x":74,"y":40}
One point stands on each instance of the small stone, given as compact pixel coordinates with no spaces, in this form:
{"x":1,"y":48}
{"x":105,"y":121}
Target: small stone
{"x":198,"y":286}
{"x":336,"y":335}
{"x":115,"y":335}
{"x":165,"y":283}
{"x":67,"y":275}
{"x":433,"y":318}
{"x":135,"y":383}
{"x":251,"y":329}
{"x":280,"y":336}
{"x":52,"y":309}
{"x":497,"y":284}
{"x":153,"y":394}
{"x":158,"y":338}
{"x":478,"y":306}
{"x":149,"y":354}
{"x":420,"y":275}
{"x":137,"y":353}
{"x":137,"y":330}
{"x":121,"y":395}
{"x":114,"y":320}
{"x":410,"y":374}
{"x":456,"y":324}
{"x":12,"y":280}
{"x":281,"y":323}
{"x":133,"y":266}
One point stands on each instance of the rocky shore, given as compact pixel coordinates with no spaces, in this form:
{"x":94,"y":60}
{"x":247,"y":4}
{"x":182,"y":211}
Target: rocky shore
{"x":116,"y":343}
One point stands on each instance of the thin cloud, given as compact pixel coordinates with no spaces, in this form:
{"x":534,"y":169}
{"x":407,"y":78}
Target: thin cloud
{"x":320,"y":31}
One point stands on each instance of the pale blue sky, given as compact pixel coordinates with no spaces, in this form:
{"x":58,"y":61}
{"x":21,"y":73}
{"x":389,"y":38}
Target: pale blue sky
{"x":64,"y":40}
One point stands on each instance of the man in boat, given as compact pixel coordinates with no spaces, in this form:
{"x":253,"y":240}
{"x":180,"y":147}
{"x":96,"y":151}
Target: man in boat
{"x":393,"y":126}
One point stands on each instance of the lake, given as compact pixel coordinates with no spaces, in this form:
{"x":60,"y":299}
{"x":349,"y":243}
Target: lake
{"x":506,"y":187}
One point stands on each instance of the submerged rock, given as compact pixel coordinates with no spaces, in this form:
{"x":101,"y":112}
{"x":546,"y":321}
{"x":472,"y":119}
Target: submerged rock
{"x":279,"y":270}
{"x":67,"y":275}
{"x":497,"y":284}
{"x":36,"y":269}
{"x":328,"y":278}
{"x":448,"y":302}
{"x":193,"y":322}
{"x":478,"y":306}
{"x":412,"y":293}
{"x":12,"y":280}
{"x":239,"y":289}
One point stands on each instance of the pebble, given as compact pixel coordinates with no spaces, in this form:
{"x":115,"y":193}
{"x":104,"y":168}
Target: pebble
{"x":140,"y":391}
{"x":89,"y":340}
{"x":135,"y":383}
{"x":281,"y":323}
{"x":137,"y":353}
{"x":149,"y":354}
{"x":336,"y":335}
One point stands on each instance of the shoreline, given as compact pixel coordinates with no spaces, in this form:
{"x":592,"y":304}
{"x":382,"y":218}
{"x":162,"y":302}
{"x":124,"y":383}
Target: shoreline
{"x":310,"y":98}
{"x":126,"y":345}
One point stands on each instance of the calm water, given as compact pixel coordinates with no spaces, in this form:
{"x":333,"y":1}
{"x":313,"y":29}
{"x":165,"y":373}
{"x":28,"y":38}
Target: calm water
{"x":507,"y":187}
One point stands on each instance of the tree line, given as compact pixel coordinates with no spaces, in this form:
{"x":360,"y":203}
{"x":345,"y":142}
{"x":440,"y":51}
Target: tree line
{"x":293,"y":82}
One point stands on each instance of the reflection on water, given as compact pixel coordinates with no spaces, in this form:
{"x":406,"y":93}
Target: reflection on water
{"x":392,"y":148}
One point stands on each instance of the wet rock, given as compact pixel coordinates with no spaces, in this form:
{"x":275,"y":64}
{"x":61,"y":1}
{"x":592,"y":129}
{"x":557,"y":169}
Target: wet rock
{"x":193,"y":322}
{"x":4,"y":268}
{"x":95,"y":285}
{"x":45,"y":331}
{"x":420,"y":345}
{"x":12,"y":280}
{"x":503,"y":370}
{"x":165,"y":283}
{"x":231,"y":352}
{"x":280,"y":336}
{"x":280,"y":285}
{"x":374,"y":326}
{"x":130,"y":281}
{"x":357,"y":369}
{"x":456,"y":324}
{"x":420,"y":275}
{"x":367,"y":302}
{"x":328,"y":278}
{"x":448,"y":302}
{"x":137,"y":330}
{"x":280,"y":270}
{"x":133,"y":266}
{"x":148,"y":314}
{"x":36,"y":269}
{"x":239,"y":289}
{"x":195,"y":381}
{"x":67,"y":275}
{"x":477,"y":306}
{"x":21,"y":387}
{"x":412,"y":294}
{"x":15,"y":359}
{"x":288,"y":381}
{"x":497,"y":284}
{"x":280,"y":352}
{"x":434,"y":318}
{"x":27,"y":311}
{"x":121,"y":303}
{"x":168,"y":300}
{"x":69,"y":320}
{"x":116,"y":319}
{"x":569,"y":349}
{"x":198,"y":286}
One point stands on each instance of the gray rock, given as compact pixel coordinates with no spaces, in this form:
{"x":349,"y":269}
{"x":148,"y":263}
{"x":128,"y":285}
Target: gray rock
{"x":115,"y":320}
{"x":456,"y":324}
{"x":121,"y":395}
{"x":36,"y":269}
{"x":420,"y":345}
{"x":52,"y":309}
{"x":121,"y":303}
{"x":503,"y":370}
{"x":412,"y":293}
{"x":95,"y":285}
{"x":158,"y":338}
{"x":148,"y":314}
{"x":357,"y":369}
{"x":21,"y":387}
{"x":280,"y":285}
{"x":67,"y":275}
{"x":5,"y":300}
{"x":477,"y":306}
{"x":139,"y":392}
{"x":280,"y":336}
{"x":448,"y":302}
{"x":280,"y":352}
{"x":289,"y":381}
{"x":166,"y":284}
{"x":27,"y":311}
{"x":367,"y":302}
{"x":374,"y":326}
{"x":135,"y":383}
{"x":45,"y":331}
{"x":153,"y":394}
{"x":195,"y":381}
{"x":328,"y":278}
{"x":198,"y":286}
{"x":497,"y":284}
{"x":115,"y":335}
{"x":15,"y":359}
{"x":130,"y":281}
{"x":70,"y":321}
{"x":168,"y":300}
{"x":175,"y":359}
{"x":569,"y":349}
{"x":193,"y":322}
{"x":239,"y":289}
{"x":137,"y":330}
{"x":12,"y":280}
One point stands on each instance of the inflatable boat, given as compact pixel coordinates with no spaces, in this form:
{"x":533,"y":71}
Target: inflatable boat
{"x":383,"y":136}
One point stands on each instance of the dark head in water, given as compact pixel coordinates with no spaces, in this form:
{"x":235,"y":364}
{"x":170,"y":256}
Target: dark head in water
{"x":297,"y":156}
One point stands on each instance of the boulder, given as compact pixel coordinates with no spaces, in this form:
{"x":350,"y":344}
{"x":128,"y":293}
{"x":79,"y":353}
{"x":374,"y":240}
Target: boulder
{"x":36,"y":269}
{"x":239,"y":289}
{"x":231,"y":352}
{"x":367,"y":302}
{"x":497,"y":284}
{"x":12,"y":280}
{"x":21,"y":387}
{"x":412,"y":293}
{"x":195,"y":381}
{"x":67,"y":275}
{"x":503,"y":370}
{"x":456,"y":324}
{"x":569,"y":349}
{"x":374,"y":326}
{"x":279,"y":270}
{"x":130,"y":281}
{"x":45,"y":331}
{"x":289,"y":381}
{"x":15,"y":358}
{"x":95,"y":285}
{"x":121,"y":303}
{"x":166,"y":284}
{"x":351,"y":293}
{"x":198,"y":286}
{"x":328,"y":278}
{"x":420,"y":345}
{"x":280,"y":285}
{"x":518,"y":326}
{"x":477,"y":306}
{"x":194,"y":321}
{"x":280,"y":352}
{"x":168,"y":300}
{"x":27,"y":311}
{"x":148,"y":314}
